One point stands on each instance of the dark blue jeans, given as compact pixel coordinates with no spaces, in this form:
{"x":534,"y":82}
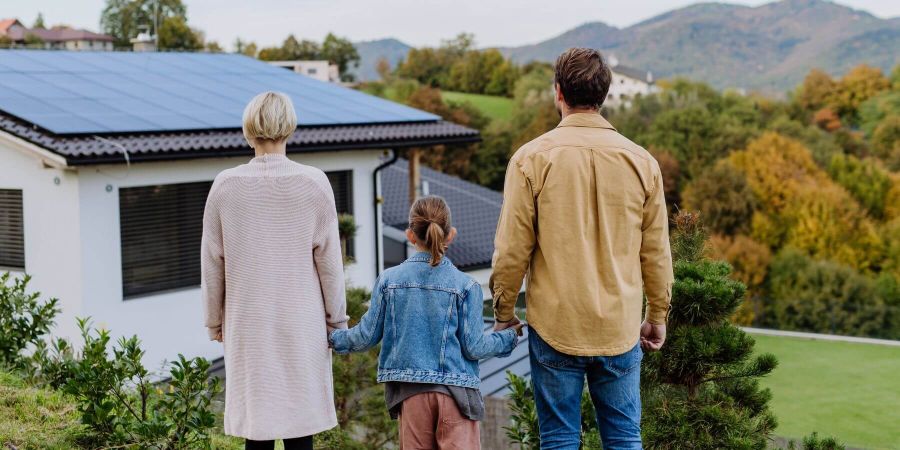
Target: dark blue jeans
{"x":614,"y":384}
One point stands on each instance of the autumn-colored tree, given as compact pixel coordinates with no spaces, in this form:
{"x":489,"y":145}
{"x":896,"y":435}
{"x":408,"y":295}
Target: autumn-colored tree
{"x":750,"y":262}
{"x":860,"y":84}
{"x":816,"y":92}
{"x":799,"y":205}
{"x":827,"y":120}
{"x":383,"y":68}
{"x":724,"y":197}
{"x":886,"y":141}
{"x":671,"y":175}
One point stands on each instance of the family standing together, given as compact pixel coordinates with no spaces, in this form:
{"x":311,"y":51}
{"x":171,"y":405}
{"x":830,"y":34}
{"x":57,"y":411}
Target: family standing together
{"x":583,"y":224}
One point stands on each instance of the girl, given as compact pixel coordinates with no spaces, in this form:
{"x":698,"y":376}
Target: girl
{"x":273,"y":284}
{"x":429,"y":316}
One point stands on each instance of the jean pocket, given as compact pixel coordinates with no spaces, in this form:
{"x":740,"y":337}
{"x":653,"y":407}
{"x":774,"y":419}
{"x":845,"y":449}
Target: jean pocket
{"x":623,"y":364}
{"x":547,"y":355}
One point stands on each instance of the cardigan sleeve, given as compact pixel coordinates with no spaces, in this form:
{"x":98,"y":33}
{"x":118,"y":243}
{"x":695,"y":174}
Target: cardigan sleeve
{"x":212,"y":266}
{"x":330,"y":264}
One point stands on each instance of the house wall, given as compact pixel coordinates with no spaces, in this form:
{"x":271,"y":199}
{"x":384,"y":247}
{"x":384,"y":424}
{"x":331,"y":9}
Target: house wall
{"x":76,"y":254}
{"x":623,"y":88}
{"x":52,"y":229}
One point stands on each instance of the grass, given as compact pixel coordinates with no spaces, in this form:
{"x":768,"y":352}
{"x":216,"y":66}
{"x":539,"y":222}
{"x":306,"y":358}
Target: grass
{"x":35,"y":418}
{"x":492,"y":106}
{"x":846,"y":390}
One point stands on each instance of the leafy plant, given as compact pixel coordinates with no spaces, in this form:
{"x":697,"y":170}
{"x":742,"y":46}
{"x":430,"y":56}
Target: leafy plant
{"x":24,"y":319}
{"x":117,"y":398}
{"x":523,"y":429}
{"x":813,"y":442}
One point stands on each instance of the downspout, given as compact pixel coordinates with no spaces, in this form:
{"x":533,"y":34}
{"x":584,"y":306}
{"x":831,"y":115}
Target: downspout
{"x":378,"y":201}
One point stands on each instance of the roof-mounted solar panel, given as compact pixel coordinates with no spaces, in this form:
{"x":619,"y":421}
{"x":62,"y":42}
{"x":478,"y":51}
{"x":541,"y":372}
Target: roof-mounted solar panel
{"x":112,"y":92}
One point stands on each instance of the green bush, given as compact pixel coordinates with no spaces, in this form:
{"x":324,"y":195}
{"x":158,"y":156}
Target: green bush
{"x":825,"y":297}
{"x":119,"y":402}
{"x":813,"y":442}
{"x":24,"y":319}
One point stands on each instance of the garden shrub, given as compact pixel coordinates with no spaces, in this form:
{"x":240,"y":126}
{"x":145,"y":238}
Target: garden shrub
{"x":24,"y":319}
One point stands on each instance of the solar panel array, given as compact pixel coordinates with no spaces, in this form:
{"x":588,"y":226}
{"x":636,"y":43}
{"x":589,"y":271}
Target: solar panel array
{"x":107,"y":92}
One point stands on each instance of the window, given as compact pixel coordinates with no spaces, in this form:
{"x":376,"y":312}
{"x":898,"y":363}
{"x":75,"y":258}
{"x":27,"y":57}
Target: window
{"x":12,"y":230}
{"x":161,"y":227}
{"x":342,"y":185}
{"x":311,"y":71}
{"x":394,"y":252}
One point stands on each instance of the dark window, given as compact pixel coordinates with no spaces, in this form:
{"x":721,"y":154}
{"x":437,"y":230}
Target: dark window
{"x":12,"y":230}
{"x":394,"y":252}
{"x":161,"y":227}
{"x":342,"y":185}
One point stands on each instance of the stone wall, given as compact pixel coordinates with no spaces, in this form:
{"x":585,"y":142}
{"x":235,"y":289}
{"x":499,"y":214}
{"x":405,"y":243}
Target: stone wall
{"x":496,"y":417}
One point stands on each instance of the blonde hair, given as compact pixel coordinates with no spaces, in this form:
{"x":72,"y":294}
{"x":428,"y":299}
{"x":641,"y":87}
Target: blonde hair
{"x":270,"y":116}
{"x":429,"y":220}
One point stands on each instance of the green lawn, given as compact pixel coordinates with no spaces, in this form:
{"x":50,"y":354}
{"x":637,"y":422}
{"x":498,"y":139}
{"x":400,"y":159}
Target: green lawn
{"x":492,"y":106}
{"x":846,"y":390}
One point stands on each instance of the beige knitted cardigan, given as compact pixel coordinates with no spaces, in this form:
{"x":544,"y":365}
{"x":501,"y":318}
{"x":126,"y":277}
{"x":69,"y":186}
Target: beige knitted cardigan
{"x":273,"y":281}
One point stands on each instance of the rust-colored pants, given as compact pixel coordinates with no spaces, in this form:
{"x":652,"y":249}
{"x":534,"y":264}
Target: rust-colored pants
{"x":432,"y":421}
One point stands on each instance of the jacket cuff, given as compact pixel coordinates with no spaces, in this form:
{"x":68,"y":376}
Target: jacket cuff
{"x":658,"y":316}
{"x":337,"y":339}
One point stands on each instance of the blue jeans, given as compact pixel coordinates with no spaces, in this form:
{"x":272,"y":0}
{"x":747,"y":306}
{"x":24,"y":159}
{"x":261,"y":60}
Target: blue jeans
{"x":614,"y":385}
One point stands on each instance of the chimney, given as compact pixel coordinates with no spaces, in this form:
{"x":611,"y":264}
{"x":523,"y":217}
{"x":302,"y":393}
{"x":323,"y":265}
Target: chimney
{"x":144,"y":43}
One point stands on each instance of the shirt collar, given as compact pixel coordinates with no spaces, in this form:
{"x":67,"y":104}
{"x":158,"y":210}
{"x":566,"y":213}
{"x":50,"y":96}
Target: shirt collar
{"x":426,"y":257}
{"x":590,"y":120}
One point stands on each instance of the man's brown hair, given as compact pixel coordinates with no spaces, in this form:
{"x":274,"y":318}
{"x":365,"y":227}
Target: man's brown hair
{"x":583,"y":77}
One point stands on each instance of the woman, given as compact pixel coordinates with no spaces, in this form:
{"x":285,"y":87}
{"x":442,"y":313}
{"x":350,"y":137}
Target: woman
{"x":273,"y":285}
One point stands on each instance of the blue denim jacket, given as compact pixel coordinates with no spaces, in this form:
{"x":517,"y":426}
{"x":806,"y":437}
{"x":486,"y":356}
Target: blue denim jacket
{"x":430,"y":321}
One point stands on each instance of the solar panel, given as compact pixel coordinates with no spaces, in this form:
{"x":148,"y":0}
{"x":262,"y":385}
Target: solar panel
{"x":106,"y":92}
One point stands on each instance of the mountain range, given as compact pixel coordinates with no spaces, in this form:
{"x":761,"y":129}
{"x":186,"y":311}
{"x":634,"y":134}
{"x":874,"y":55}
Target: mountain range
{"x":768,"y":48}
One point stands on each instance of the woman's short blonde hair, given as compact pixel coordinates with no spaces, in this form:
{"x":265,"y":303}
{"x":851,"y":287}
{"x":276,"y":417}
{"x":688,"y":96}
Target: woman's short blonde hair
{"x":270,"y":116}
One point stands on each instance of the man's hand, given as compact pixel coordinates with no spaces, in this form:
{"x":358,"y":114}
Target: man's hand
{"x":500,"y":326}
{"x":652,"y":336}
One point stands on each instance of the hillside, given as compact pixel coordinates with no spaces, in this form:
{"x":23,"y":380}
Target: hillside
{"x":371,"y":51}
{"x":770,"y":47}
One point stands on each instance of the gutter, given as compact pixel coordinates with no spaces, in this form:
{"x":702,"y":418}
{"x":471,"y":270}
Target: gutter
{"x":378,"y":201}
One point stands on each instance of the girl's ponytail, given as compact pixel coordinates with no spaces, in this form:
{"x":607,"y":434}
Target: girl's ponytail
{"x":434,"y":241}
{"x":429,"y":220}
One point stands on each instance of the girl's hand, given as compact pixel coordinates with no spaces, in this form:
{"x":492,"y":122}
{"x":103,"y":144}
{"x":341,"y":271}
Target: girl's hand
{"x":219,"y":336}
{"x":518,"y":327}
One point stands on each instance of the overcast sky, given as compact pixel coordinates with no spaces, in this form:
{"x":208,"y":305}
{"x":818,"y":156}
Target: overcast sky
{"x":416,"y":22}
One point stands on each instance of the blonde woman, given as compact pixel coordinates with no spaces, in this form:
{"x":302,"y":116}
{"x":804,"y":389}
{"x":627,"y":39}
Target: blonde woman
{"x":273,"y":285}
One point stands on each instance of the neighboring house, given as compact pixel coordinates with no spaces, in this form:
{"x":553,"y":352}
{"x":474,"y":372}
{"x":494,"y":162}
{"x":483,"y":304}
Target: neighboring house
{"x":320,"y":70}
{"x":56,"y":38}
{"x":628,"y":82}
{"x":106,"y":159}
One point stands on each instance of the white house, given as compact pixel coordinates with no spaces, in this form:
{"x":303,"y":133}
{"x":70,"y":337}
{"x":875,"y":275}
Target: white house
{"x":628,"y":82}
{"x":106,"y":159}
{"x":320,"y":70}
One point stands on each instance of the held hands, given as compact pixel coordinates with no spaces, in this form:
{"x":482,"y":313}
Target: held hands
{"x":218,"y":337}
{"x":515,"y":324}
{"x":652,"y":336}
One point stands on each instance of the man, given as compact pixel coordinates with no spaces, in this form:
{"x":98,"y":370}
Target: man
{"x":584,"y":215}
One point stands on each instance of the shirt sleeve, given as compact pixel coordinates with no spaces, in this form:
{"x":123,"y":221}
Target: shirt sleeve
{"x":656,"y":255}
{"x":514,"y":242}
{"x":474,"y":343}
{"x":212,"y":266}
{"x":330,"y":265}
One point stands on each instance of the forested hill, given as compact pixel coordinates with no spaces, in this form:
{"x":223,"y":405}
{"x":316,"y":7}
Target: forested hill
{"x":769,"y":47}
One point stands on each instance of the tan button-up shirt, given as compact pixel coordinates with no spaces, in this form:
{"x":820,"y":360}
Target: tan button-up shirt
{"x":584,"y":215}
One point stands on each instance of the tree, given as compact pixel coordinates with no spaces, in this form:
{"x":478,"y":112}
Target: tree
{"x":340,"y":51}
{"x":886,"y":141}
{"x":33,"y":41}
{"x":123,"y":19}
{"x":175,"y":34}
{"x":724,"y":198}
{"x":816,"y":92}
{"x":214,"y":47}
{"x":671,"y":175}
{"x":865,"y":180}
{"x":824,"y":297}
{"x":860,"y":84}
{"x":701,"y":390}
{"x":383,"y":67}
{"x":750,"y":261}
{"x":39,"y":21}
